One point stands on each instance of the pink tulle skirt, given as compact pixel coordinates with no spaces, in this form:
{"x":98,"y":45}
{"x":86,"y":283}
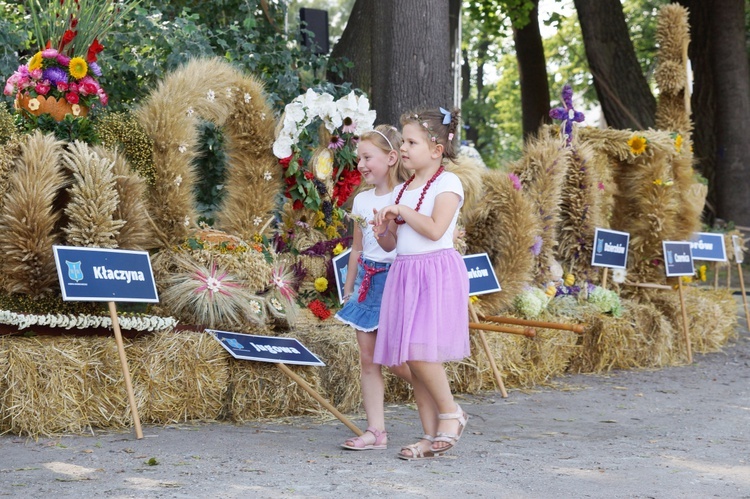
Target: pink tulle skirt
{"x":424,"y":313}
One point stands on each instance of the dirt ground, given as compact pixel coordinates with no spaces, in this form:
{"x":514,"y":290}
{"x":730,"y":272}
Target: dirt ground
{"x":677,"y":432}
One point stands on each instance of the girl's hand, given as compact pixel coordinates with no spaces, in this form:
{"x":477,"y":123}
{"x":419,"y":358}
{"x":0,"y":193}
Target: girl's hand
{"x":386,"y":214}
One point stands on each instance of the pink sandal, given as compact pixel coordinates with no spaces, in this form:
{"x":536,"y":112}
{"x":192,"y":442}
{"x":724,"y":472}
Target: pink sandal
{"x":450,"y":438}
{"x":358,"y":443}
{"x":416,"y":451}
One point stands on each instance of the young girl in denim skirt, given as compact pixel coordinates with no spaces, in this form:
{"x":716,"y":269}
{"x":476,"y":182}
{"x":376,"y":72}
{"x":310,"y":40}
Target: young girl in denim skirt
{"x":380,"y":165}
{"x":424,"y":318}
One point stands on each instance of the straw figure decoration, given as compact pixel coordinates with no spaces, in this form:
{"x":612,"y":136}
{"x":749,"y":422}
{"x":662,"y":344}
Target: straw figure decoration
{"x":541,"y":172}
{"x":671,"y":76}
{"x":506,"y":227}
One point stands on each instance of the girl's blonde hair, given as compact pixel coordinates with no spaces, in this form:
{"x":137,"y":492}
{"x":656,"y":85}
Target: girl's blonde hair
{"x":388,"y":138}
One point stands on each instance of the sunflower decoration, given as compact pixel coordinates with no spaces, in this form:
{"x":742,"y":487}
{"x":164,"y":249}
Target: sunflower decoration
{"x":637,"y":144}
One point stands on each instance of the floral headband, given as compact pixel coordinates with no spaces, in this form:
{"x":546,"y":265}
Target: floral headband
{"x":447,"y":117}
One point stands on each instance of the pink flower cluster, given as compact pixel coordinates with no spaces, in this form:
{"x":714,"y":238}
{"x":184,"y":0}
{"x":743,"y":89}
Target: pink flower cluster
{"x":53,"y":76}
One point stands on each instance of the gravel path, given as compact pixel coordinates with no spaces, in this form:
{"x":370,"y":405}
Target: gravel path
{"x":680,"y":432}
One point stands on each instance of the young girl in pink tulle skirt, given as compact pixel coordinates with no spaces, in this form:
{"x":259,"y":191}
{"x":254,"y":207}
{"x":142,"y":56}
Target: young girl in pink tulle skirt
{"x":424,"y":318}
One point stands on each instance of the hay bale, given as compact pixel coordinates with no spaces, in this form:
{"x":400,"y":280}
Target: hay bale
{"x":641,"y":338}
{"x":259,"y":390}
{"x":712,"y":318}
{"x":335,"y":344}
{"x":43,"y":385}
{"x":183,"y":376}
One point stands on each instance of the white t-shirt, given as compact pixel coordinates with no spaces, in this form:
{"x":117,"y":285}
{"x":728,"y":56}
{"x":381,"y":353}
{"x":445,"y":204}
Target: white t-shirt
{"x":410,"y":242}
{"x":363,"y":205}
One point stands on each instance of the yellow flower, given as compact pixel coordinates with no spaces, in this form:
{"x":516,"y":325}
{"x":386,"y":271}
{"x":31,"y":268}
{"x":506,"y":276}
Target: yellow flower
{"x":686,"y":279}
{"x":658,"y":181}
{"x":570,"y":279}
{"x":34,"y":104}
{"x":338,"y":249}
{"x":637,"y":144}
{"x":78,"y":68}
{"x":678,"y":143}
{"x":331,"y":232}
{"x":551,"y":291}
{"x":702,"y":273}
{"x":473,"y":299}
{"x":324,"y":164}
{"x":36,"y":61}
{"x":321,"y":284}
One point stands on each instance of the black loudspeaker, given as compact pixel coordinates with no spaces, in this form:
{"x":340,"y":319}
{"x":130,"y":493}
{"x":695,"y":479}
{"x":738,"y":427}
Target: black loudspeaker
{"x":315,"y":21}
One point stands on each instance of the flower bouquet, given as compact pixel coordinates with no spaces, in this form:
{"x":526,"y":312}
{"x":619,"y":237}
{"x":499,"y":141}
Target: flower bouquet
{"x":316,"y":146}
{"x":61,"y":77}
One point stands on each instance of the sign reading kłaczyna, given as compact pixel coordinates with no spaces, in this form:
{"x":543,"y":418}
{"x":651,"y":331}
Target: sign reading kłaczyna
{"x":677,"y":258}
{"x":100,"y":274}
{"x":610,"y":248}
{"x":266,"y":348}
{"x":708,"y":246}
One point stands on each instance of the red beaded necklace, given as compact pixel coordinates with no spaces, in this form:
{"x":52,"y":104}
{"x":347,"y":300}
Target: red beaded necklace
{"x":440,"y":170}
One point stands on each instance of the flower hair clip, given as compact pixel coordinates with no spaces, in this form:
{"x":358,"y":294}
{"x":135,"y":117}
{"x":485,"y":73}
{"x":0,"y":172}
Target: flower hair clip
{"x":427,"y":127}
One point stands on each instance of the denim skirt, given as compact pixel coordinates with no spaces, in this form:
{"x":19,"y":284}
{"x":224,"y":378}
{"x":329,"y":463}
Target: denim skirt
{"x":364,"y":315}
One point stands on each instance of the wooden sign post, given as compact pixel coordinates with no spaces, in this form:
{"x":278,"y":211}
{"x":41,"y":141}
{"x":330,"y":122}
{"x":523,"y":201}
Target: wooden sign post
{"x":678,"y":262}
{"x":103,"y":274}
{"x":279,"y":351}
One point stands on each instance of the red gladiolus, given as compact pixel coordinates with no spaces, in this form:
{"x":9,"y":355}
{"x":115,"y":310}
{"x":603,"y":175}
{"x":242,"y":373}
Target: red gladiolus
{"x":67,"y":38}
{"x":94,"y":49}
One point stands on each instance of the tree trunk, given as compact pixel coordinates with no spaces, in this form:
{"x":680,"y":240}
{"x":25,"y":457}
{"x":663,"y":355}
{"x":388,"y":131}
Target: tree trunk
{"x":355,"y":45}
{"x":732,"y":80}
{"x":703,"y":99}
{"x":411,"y":57}
{"x":622,"y":89}
{"x":532,"y":69}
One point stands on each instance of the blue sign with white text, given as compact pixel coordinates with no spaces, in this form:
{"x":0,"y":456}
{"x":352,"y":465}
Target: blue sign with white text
{"x":610,"y":249}
{"x":266,"y":348}
{"x":100,"y":274}
{"x":482,"y":278}
{"x":677,"y":258}
{"x":708,"y":246}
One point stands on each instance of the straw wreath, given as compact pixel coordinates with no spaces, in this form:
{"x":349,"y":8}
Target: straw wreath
{"x":210,"y":89}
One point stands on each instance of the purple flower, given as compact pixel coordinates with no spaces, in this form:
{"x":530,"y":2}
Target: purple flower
{"x":56,"y":75}
{"x":94,"y":67}
{"x":516,"y":181}
{"x":536,"y":248}
{"x":336,"y":142}
{"x":567,"y":113}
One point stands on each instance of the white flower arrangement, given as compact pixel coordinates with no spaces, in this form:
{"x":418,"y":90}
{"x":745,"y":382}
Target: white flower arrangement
{"x":84,"y":321}
{"x":310,"y":106}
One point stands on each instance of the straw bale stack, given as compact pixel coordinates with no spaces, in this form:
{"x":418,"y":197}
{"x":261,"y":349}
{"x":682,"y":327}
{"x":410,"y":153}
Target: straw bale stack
{"x":183,"y":376}
{"x":335,"y":344}
{"x":712,"y":318}
{"x":641,"y":338}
